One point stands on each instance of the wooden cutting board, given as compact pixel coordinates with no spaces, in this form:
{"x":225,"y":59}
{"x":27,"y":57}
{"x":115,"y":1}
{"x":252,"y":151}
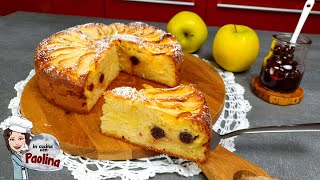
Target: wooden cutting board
{"x":79,"y":134}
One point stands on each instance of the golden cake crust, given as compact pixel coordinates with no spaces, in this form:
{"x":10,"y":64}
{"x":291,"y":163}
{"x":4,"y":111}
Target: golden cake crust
{"x":67,"y":95}
{"x":63,"y":62}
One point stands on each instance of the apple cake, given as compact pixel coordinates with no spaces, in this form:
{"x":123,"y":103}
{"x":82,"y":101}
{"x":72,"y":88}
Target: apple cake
{"x":75,"y":66}
{"x":174,"y":121}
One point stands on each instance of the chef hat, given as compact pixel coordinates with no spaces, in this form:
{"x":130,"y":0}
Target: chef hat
{"x":17,"y":124}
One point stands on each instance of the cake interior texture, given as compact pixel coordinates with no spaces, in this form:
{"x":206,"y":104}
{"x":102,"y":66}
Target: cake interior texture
{"x":107,"y":69}
{"x":175,"y":121}
{"x":142,"y":63}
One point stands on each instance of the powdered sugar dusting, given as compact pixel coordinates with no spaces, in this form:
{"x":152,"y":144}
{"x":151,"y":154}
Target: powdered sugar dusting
{"x":150,"y":38}
{"x":129,"y":93}
{"x":126,"y":37}
{"x":177,"y":52}
{"x":49,"y":69}
{"x":101,"y":46}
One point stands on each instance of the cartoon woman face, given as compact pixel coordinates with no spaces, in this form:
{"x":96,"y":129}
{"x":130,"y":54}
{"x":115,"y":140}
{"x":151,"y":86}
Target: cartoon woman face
{"x":17,"y":141}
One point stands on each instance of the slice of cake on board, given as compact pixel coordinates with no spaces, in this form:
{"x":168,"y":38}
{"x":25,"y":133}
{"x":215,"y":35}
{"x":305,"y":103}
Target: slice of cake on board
{"x":174,"y":121}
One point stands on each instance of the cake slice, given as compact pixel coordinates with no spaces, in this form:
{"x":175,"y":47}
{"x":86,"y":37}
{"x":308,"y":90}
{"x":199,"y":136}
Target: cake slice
{"x":175,"y":121}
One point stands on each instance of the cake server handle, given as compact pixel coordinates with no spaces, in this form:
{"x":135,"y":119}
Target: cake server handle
{"x":307,"y":127}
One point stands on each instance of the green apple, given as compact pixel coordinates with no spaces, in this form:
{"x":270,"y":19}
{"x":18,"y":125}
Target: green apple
{"x":235,"y":47}
{"x":189,"y":29}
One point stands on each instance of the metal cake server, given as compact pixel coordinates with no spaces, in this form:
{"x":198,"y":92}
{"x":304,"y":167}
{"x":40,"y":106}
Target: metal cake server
{"x":308,"y":127}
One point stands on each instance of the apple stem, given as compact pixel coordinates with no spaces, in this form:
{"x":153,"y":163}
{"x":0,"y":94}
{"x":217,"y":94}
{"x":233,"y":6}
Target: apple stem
{"x":188,"y":35}
{"x":235,"y":27}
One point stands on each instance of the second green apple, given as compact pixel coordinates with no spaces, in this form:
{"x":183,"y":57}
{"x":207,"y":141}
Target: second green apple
{"x":235,"y":47}
{"x":189,"y":29}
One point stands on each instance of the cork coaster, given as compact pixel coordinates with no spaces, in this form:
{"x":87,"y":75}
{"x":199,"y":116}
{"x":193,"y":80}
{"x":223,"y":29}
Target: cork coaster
{"x":273,"y":97}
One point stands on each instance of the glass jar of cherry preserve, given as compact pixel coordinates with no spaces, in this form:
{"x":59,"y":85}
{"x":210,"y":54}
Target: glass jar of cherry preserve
{"x":283,"y":67}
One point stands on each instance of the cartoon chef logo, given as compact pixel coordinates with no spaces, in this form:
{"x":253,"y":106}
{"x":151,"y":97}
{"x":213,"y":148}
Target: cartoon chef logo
{"x":41,"y":152}
{"x":44,"y":154}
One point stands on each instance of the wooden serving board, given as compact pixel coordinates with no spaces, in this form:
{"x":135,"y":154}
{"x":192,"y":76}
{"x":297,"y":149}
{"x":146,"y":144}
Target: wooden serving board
{"x":79,"y":134}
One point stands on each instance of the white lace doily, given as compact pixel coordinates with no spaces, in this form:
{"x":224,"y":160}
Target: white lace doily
{"x":233,"y":117}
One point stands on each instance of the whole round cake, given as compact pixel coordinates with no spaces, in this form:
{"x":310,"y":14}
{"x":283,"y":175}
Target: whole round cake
{"x":75,"y":66}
